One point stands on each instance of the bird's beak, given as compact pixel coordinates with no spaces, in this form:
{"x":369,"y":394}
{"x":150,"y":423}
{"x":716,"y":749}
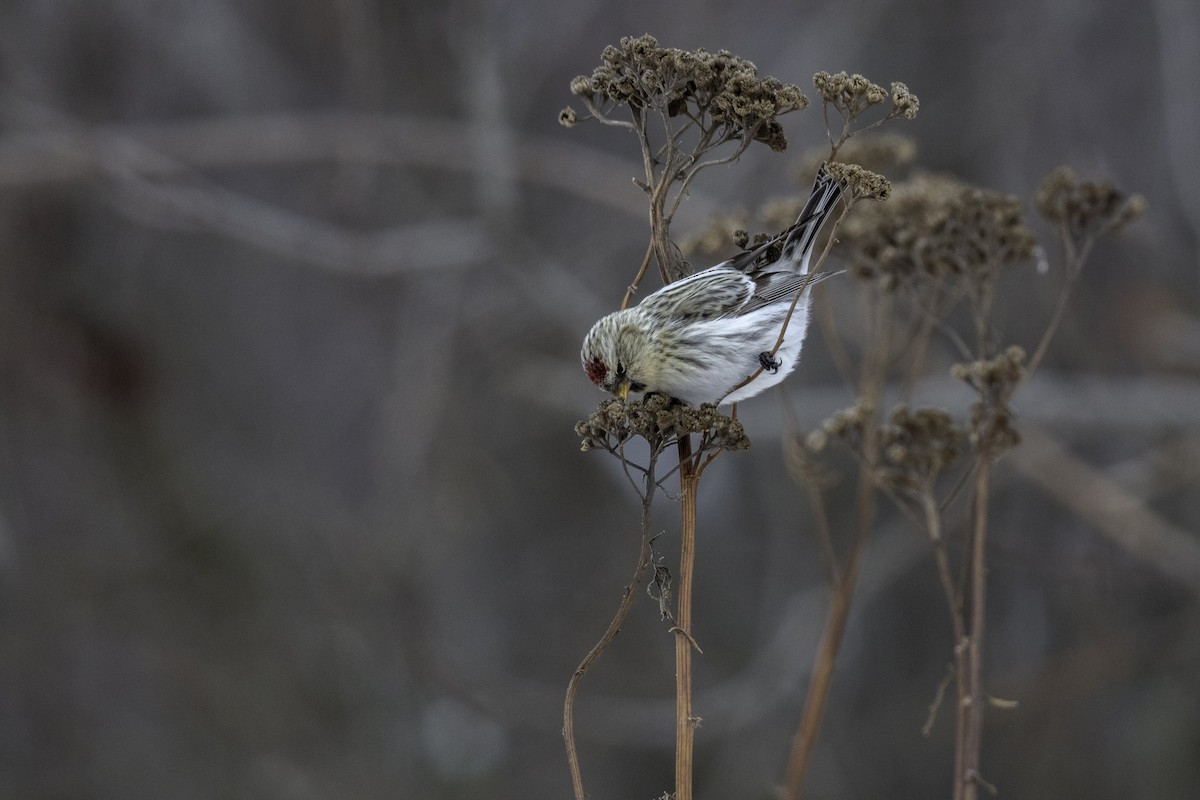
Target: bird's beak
{"x":623,"y":391}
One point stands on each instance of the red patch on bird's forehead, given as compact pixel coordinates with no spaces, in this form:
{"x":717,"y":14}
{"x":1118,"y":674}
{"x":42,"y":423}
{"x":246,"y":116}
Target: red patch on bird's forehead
{"x":596,"y":371}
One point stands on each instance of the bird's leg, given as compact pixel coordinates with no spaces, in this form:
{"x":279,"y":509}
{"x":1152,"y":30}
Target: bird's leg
{"x":769,"y":362}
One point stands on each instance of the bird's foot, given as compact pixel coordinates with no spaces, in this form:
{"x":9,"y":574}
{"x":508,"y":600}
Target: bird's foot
{"x":769,"y":362}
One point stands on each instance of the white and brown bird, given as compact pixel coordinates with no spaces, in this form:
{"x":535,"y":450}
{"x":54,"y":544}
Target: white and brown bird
{"x":698,"y":339}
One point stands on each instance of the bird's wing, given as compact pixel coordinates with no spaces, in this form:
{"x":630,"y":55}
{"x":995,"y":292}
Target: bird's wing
{"x":754,"y":259}
{"x":783,"y":289}
{"x":775,"y":270}
{"x":708,"y":294}
{"x":799,"y":239}
{"x":790,"y":250}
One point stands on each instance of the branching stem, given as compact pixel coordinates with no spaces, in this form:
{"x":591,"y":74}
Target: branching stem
{"x":614,"y":627}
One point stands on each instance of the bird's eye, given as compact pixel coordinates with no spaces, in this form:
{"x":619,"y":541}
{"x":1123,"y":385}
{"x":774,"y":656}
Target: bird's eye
{"x":620,"y":369}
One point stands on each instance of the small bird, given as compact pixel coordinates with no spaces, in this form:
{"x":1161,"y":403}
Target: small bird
{"x":698,"y":339}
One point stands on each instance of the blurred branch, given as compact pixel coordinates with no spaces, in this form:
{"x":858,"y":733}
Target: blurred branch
{"x":427,"y":245}
{"x":1149,"y":474}
{"x":1116,"y":513}
{"x":54,"y":154}
{"x":156,"y":169}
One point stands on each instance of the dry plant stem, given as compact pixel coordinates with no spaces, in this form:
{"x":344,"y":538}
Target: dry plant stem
{"x":834,"y":343}
{"x":973,"y":735}
{"x":835,"y":626}
{"x":743,"y":144}
{"x":824,"y":533}
{"x":816,"y":498}
{"x":614,"y":627}
{"x":631,"y":290}
{"x":933,"y":528}
{"x":918,"y":349}
{"x":685,"y":720}
{"x":1073,"y":258}
{"x":874,"y":372}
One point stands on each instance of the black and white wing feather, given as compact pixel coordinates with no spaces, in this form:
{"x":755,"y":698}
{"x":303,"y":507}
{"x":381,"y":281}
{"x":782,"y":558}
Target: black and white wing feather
{"x":780,"y":280}
{"x":751,"y":280}
{"x":711,"y":293}
{"x":796,"y":243}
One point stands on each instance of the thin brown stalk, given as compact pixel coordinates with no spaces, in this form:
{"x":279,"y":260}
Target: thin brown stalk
{"x":1074,"y":258}
{"x":973,"y":734}
{"x":938,"y":697}
{"x":631,"y":290}
{"x":816,"y":501}
{"x":835,"y":345}
{"x":806,"y":476}
{"x":681,"y":192}
{"x":874,"y":370}
{"x":614,"y":627}
{"x":933,"y":528}
{"x":919,"y":348}
{"x":805,"y":737}
{"x":685,"y":719}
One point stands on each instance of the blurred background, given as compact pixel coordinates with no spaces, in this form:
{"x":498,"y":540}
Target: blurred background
{"x":291,"y":295}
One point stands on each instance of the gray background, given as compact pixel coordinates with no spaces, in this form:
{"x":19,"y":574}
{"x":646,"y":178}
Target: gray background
{"x":291,"y":295}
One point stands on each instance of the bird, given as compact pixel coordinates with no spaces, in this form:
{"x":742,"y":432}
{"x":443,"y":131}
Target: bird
{"x":697,"y":340}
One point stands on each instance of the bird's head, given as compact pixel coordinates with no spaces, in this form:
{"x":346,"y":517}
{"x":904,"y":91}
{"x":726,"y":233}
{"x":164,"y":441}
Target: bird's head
{"x":614,"y":356}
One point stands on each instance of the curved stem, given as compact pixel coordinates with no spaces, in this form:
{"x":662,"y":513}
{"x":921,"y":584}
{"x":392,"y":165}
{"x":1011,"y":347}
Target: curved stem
{"x":713,"y":162}
{"x":637,"y":279}
{"x":1073,"y":258}
{"x":835,"y":627}
{"x":614,"y":627}
{"x":874,"y":371}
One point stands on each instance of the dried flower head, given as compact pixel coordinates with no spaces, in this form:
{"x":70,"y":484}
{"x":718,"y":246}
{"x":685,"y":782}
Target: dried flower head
{"x":660,"y":422}
{"x":583,"y":86}
{"x":992,"y":429}
{"x":904,"y":103}
{"x":862,"y":183}
{"x":722,"y":88}
{"x":917,"y":445}
{"x":995,"y":379}
{"x":567,"y":117}
{"x":845,"y":426}
{"x":852,"y":95}
{"x":937,"y":227}
{"x":1000,"y":374}
{"x":1084,"y":207}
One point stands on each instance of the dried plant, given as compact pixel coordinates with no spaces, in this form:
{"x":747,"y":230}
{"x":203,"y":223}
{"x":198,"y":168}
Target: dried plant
{"x":936,"y":245}
{"x":849,"y":97}
{"x":691,"y":110}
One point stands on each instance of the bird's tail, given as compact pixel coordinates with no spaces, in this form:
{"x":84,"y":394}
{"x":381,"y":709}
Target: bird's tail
{"x":799,"y":239}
